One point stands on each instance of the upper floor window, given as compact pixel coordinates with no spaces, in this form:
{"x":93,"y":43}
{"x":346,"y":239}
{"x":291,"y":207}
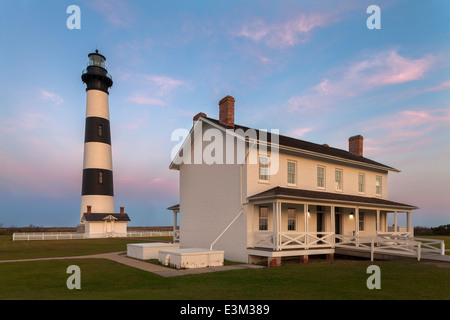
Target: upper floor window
{"x":291,"y":172}
{"x":361,"y":182}
{"x":100,"y":177}
{"x":338,"y":179}
{"x":320,"y":177}
{"x":263,"y":218}
{"x":378,"y":185}
{"x":263,"y":168}
{"x":292,"y":219}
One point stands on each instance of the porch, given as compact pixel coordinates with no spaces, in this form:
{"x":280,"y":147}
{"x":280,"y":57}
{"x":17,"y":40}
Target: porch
{"x":289,"y":224}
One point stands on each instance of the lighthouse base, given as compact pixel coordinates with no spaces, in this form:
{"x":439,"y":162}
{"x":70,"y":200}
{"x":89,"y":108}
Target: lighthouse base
{"x":104,"y":225}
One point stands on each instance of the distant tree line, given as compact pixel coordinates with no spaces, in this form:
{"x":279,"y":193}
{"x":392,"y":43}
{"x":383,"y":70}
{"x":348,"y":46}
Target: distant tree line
{"x":443,"y":230}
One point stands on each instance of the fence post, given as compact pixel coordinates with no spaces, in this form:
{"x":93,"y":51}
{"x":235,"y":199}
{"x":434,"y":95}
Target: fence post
{"x":442,"y":248}
{"x":372,"y":248}
{"x":419,"y":249}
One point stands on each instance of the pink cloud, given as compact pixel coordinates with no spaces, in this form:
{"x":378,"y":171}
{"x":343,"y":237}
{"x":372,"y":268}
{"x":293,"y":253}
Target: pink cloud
{"x":51,"y":96}
{"x":147,"y":100}
{"x":443,"y":86}
{"x":298,"y":133}
{"x":116,"y":12}
{"x":289,"y":33}
{"x":405,"y":131}
{"x":375,"y":71}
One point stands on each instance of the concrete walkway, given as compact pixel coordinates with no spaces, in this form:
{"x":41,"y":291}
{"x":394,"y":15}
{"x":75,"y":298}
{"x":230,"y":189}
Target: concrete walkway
{"x":120,"y":257}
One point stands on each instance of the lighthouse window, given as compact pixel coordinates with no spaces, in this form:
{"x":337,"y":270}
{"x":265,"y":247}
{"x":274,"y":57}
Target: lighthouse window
{"x":100,"y":130}
{"x":100,"y":177}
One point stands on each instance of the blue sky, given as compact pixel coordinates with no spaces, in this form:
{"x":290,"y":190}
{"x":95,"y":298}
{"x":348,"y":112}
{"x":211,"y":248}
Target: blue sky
{"x":311,"y":69}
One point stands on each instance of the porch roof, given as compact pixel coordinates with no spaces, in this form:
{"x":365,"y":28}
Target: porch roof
{"x":302,"y":194}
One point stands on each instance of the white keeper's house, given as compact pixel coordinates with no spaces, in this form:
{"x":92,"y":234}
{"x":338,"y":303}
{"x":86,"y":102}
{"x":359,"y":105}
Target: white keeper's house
{"x":284,"y":198}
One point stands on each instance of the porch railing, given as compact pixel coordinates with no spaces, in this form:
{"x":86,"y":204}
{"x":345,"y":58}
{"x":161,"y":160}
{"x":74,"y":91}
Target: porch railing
{"x":293,"y":240}
{"x":383,"y":243}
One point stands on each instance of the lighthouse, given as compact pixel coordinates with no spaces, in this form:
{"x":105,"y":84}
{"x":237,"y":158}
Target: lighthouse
{"x":97,"y":216}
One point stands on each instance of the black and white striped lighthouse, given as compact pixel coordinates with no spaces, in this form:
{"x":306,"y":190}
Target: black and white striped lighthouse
{"x":97,"y":195}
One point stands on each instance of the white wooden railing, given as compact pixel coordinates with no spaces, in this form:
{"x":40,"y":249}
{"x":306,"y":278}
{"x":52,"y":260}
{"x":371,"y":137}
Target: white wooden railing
{"x":176,"y":236}
{"x":293,"y":240}
{"x":395,"y":244}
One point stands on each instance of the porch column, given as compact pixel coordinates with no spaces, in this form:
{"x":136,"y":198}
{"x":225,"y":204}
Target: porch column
{"x":332,"y":222}
{"x":175,"y":213}
{"x":276,"y":225}
{"x":305,"y":210}
{"x":357,"y":222}
{"x":408,"y":223}
{"x":378,"y":221}
{"x":395,"y":221}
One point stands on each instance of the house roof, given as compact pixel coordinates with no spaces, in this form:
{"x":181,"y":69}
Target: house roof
{"x":102,"y":216}
{"x":328,"y":196}
{"x":174,"y":207}
{"x":310,"y":147}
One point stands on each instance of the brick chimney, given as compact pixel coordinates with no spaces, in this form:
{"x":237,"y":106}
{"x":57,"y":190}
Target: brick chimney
{"x":122,"y":210}
{"x":226,"y":111}
{"x":198,"y":115}
{"x":89,"y":209}
{"x":355,"y":145}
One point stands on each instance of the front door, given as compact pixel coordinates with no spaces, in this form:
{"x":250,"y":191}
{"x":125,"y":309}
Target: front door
{"x":337,"y":225}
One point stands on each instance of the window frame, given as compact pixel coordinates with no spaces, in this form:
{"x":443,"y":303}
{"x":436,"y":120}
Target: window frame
{"x":267,"y":168}
{"x":100,"y":130}
{"x":323,"y":177}
{"x":295,"y":172}
{"x":363,"y":184}
{"x":261,"y":219}
{"x":361,"y":221}
{"x":292,"y":221}
{"x":380,"y":186}
{"x":341,"y":181}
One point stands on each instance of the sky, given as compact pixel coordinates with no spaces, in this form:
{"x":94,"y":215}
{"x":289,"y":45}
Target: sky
{"x":312,"y":69}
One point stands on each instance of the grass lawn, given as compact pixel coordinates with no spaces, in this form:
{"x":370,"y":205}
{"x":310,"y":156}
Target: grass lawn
{"x":12,"y":250}
{"x":104,"y":279}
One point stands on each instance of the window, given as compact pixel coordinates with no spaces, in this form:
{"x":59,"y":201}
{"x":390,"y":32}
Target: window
{"x":321,"y":177}
{"x":291,"y":172}
{"x":100,"y":177}
{"x":361,"y":221}
{"x":292,"y":219}
{"x":338,"y":179}
{"x":361,"y":183}
{"x":100,"y":130}
{"x":263,"y":168}
{"x":378,"y":185}
{"x":263,"y":218}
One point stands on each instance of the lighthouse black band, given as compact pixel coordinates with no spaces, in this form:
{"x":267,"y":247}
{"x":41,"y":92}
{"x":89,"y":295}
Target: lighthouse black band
{"x":97,"y":182}
{"x":97,"y":78}
{"x":97,"y":130}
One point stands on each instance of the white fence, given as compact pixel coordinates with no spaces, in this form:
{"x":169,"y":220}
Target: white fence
{"x":73,"y":235}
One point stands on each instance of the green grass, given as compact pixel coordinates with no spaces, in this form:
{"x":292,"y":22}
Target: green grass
{"x":104,"y":279}
{"x":12,"y":250}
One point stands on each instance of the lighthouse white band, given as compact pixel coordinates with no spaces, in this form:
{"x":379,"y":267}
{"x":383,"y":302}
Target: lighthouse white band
{"x":100,"y":204}
{"x":97,"y":104}
{"x":97,"y":155}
